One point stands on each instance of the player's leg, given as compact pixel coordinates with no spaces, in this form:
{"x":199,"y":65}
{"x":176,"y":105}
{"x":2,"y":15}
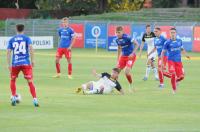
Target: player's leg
{"x":155,"y":71}
{"x":59,"y":54}
{"x":68,"y":57}
{"x":173,"y":75}
{"x":179,"y":71}
{"x":14,"y":74}
{"x":160,"y":73}
{"x":129,"y":65}
{"x":148,"y":69}
{"x":28,"y":75}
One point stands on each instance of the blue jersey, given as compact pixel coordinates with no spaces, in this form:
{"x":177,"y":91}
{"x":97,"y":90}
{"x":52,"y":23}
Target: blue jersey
{"x":19,"y":45}
{"x":126,"y":44}
{"x":174,"y":49}
{"x":66,"y":35}
{"x":159,"y":44}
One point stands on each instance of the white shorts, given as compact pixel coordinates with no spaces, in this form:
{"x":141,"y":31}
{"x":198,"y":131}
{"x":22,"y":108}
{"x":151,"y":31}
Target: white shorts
{"x":97,"y":88}
{"x":152,"y":56}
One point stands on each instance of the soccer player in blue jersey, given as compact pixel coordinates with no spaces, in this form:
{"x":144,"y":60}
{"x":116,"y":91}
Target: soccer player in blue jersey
{"x":174,"y":47}
{"x":20,"y":46}
{"x":158,"y":45}
{"x":67,"y":39}
{"x":127,"y":48}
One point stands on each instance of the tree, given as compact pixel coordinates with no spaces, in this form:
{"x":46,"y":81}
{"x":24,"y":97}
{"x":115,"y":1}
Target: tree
{"x":166,"y":3}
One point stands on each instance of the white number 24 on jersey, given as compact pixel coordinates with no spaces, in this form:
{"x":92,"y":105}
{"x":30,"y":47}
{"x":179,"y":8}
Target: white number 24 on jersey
{"x":19,"y":47}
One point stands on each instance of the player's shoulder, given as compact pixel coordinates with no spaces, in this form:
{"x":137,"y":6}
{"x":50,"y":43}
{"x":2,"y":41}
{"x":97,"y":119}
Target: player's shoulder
{"x":126,"y":36}
{"x":152,"y":34}
{"x":168,"y":41}
{"x":105,"y":74}
{"x":178,"y":40}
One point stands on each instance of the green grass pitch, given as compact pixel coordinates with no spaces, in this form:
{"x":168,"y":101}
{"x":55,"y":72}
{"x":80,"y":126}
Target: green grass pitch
{"x":148,"y":110}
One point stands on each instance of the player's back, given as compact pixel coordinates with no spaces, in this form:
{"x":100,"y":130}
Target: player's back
{"x":19,"y":44}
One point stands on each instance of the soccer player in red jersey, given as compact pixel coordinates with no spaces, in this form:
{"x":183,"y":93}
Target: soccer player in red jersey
{"x":127,"y":48}
{"x":67,"y":39}
{"x":174,"y":47}
{"x":21,"y":47}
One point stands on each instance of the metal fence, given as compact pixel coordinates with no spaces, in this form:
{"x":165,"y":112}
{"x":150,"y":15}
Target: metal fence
{"x":45,"y":27}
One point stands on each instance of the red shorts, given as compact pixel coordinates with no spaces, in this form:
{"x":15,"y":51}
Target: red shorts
{"x":176,"y":67}
{"x":125,"y":61}
{"x":165,"y":60}
{"x":63,"y":51}
{"x":26,"y":69}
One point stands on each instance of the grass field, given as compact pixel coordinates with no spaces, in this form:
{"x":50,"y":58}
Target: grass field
{"x":148,"y":110}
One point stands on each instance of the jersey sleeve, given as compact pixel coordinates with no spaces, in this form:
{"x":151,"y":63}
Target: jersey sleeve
{"x":72,"y":33}
{"x":143,"y":38}
{"x":153,"y":35}
{"x":118,"y":86}
{"x":166,"y":45}
{"x":29,"y":42}
{"x":59,"y":32}
{"x":9,"y":44}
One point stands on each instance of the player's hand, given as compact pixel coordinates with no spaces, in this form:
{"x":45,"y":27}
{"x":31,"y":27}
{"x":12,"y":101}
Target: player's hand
{"x":187,"y":56}
{"x":32,"y":64}
{"x":9,"y":68}
{"x":94,"y":72}
{"x":131,"y":55}
{"x":70,"y":48}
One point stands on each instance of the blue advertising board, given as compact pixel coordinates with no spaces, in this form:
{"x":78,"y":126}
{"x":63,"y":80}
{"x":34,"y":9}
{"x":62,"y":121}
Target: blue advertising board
{"x":95,"y":32}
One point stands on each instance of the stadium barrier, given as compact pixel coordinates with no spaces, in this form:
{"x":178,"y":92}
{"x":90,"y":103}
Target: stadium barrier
{"x":101,"y":34}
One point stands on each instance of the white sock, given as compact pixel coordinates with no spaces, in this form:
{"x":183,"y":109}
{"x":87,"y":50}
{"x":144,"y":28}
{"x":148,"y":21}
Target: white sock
{"x":155,"y":72}
{"x":148,"y":69}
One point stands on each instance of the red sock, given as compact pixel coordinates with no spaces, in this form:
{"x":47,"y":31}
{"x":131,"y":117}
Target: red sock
{"x":70,"y":69}
{"x":32,"y":89}
{"x":167,"y":74}
{"x":173,"y":81}
{"x":129,"y":78}
{"x":161,"y":77}
{"x":58,"y":67}
{"x":13,"y":87}
{"x":179,"y":79}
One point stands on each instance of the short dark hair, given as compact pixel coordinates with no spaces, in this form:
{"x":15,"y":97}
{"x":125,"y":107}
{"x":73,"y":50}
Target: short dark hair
{"x":20,"y":27}
{"x":157,"y":28}
{"x":173,"y":28}
{"x":119,"y":28}
{"x":116,"y":70}
{"x":148,"y":25}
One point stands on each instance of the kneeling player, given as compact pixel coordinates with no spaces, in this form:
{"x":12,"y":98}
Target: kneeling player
{"x":105,"y":85}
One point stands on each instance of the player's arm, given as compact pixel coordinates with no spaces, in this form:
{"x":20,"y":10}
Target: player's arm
{"x":185,"y":53}
{"x":94,"y":72}
{"x":141,"y":46}
{"x":9,"y":58}
{"x":135,"y":42}
{"x":162,"y":58}
{"x":31,"y":54}
{"x":73,"y":41}
{"x":119,"y":88}
{"x":119,"y":50}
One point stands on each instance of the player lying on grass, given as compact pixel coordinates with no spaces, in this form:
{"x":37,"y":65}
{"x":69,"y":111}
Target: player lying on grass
{"x":127,"y":48}
{"x":21,"y":46}
{"x":105,"y":85}
{"x":174,"y":47}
